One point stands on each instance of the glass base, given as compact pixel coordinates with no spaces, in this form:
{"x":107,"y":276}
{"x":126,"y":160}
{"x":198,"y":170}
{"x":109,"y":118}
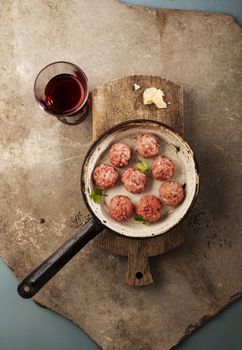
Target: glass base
{"x":75,"y":119}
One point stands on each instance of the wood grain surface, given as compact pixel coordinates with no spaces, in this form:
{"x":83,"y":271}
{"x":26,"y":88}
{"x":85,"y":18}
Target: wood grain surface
{"x":115,"y":102}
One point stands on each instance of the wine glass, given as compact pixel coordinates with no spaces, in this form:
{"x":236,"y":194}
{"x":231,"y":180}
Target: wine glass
{"x":61,"y":89}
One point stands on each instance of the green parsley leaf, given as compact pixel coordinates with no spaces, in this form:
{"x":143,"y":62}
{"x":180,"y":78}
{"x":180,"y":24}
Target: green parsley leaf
{"x":142,"y":166}
{"x":97,"y":195}
{"x":140,"y":219}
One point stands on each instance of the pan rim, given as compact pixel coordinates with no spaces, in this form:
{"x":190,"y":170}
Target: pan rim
{"x":112,"y":130}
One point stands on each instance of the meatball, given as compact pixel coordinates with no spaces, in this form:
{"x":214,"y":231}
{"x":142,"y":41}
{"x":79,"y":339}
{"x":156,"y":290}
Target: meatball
{"x":119,"y":154}
{"x":171,"y":193}
{"x":162,"y":168}
{"x":105,"y":176}
{"x":121,"y":208}
{"x":147,"y":145}
{"x":134,"y":180}
{"x":149,"y":208}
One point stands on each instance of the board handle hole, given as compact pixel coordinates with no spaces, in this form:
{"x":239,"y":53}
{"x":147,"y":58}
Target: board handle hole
{"x":139,"y":275}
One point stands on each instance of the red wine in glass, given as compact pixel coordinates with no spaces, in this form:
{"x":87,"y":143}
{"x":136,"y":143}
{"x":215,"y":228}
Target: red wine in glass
{"x":61,"y":89}
{"x":64,"y":94}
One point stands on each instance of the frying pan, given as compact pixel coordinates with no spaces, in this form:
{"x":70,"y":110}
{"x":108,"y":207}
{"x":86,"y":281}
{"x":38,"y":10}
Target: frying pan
{"x":172,"y":145}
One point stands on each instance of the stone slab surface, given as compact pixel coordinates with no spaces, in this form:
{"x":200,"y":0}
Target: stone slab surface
{"x":41,"y":159}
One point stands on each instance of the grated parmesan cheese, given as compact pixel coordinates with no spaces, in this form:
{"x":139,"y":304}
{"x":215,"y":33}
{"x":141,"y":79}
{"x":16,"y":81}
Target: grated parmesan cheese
{"x":154,"y":95}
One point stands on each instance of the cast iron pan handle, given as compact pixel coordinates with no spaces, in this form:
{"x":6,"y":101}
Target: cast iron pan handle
{"x":45,"y":271}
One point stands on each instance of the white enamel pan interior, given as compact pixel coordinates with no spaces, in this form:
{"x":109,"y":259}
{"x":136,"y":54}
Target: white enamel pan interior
{"x":173,"y":146}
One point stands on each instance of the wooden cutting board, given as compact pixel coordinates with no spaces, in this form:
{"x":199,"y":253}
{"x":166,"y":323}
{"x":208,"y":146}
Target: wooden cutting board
{"x":115,"y":102}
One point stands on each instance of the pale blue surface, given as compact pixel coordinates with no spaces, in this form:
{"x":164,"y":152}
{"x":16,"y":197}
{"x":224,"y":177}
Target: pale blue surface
{"x":231,"y":7}
{"x":224,"y":332}
{"x":26,"y":326}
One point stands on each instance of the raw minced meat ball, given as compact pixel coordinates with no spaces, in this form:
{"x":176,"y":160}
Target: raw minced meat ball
{"x":121,"y":208}
{"x":149,"y":208}
{"x":147,"y":145}
{"x":119,"y":154}
{"x":134,"y":180}
{"x":105,"y":176}
{"x":162,"y":168}
{"x":171,"y":193}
